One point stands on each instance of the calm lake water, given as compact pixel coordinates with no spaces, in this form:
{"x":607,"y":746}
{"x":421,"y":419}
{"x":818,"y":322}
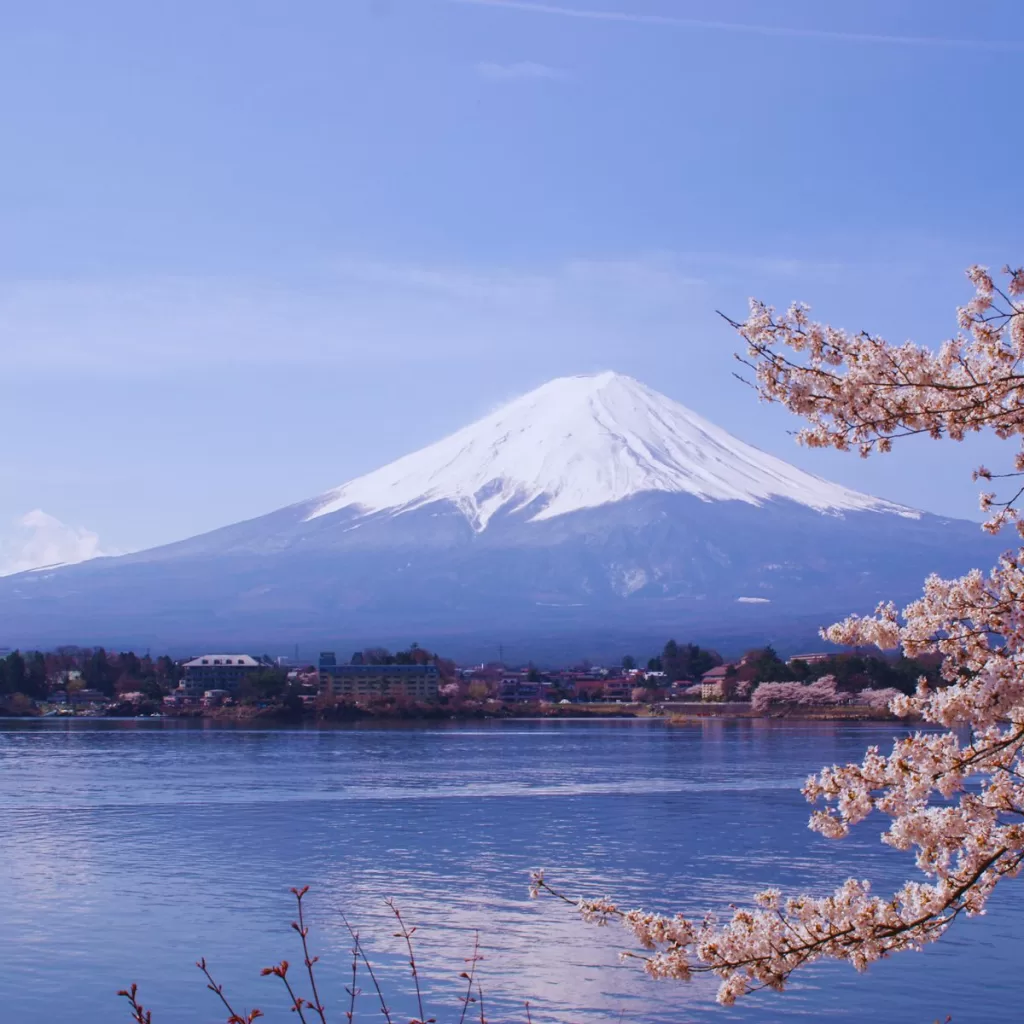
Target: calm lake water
{"x":130,"y":849}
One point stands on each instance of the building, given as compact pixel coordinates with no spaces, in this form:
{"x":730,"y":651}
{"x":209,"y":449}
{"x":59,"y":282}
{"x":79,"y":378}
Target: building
{"x":216,"y":672}
{"x":620,"y":688}
{"x":811,"y":659}
{"x":363,"y":682}
{"x":516,"y":688}
{"x":87,"y":696}
{"x":719,"y":683}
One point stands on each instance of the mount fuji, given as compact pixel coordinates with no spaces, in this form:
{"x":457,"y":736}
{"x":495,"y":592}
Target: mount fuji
{"x":589,"y":514}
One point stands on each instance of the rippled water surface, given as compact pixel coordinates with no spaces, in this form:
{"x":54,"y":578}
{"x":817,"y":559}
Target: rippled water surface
{"x":129,"y":849}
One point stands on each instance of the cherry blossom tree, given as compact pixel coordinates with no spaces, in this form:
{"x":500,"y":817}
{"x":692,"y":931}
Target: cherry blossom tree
{"x":955,"y":797}
{"x":820,"y":693}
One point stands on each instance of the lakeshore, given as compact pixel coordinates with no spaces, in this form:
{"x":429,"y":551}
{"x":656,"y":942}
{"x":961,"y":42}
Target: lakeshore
{"x":687,"y":714}
{"x":673,"y":713}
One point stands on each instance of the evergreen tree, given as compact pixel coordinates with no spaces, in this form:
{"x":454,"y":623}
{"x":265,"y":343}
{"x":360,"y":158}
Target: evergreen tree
{"x":768,"y":666}
{"x":14,"y":673}
{"x":687,"y":661}
{"x":97,"y":673}
{"x":35,"y":676}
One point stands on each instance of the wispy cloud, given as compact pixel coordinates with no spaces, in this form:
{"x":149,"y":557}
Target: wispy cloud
{"x":39,"y":539}
{"x":361,"y":312}
{"x":674,"y":21}
{"x":520,"y":71}
{"x":491,"y":287}
{"x":354,"y":312}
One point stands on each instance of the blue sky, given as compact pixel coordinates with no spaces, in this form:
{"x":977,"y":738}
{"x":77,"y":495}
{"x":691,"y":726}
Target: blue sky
{"x":251,"y":250}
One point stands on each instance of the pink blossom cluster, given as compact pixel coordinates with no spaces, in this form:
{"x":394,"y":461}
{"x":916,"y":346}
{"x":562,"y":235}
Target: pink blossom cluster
{"x":953,"y":797}
{"x":880,"y":700}
{"x":820,"y":693}
{"x":861,"y":391}
{"x":744,"y":688}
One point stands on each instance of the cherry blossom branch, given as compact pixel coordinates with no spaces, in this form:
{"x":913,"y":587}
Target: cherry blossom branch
{"x":859,"y":389}
{"x":761,"y":948}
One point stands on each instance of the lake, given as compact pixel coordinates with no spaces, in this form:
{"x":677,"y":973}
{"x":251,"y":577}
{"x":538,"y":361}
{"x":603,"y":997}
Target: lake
{"x":128,"y":849}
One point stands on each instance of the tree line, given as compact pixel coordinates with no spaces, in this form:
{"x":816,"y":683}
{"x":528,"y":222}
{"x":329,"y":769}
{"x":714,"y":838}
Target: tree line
{"x":853,"y":671}
{"x":36,"y":674}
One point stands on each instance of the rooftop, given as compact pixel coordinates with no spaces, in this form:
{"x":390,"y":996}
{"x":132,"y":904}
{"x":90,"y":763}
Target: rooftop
{"x":245,"y":660}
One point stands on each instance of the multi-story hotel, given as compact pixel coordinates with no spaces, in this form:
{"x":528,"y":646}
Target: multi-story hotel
{"x":216,"y":672}
{"x":354,"y":682}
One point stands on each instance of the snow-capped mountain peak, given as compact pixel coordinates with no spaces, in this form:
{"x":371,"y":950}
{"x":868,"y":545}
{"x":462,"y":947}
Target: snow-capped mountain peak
{"x":581,"y":442}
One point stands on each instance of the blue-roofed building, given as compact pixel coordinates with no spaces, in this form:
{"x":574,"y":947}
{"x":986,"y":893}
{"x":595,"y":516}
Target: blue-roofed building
{"x":361,"y":682}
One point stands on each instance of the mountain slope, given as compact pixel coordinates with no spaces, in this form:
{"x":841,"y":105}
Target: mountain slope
{"x":591,"y":507}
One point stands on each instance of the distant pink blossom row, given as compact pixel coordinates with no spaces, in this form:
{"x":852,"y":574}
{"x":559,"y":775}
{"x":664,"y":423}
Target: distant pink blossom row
{"x":821,"y":693}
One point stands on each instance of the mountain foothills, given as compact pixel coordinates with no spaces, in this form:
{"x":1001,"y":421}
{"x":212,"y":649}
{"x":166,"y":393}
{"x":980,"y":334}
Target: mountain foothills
{"x":587,"y":514}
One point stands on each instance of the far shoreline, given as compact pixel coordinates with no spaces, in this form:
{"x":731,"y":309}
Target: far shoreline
{"x":669,"y":713}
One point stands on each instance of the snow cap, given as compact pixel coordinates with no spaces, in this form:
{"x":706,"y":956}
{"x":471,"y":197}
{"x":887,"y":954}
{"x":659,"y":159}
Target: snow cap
{"x":580,"y":442}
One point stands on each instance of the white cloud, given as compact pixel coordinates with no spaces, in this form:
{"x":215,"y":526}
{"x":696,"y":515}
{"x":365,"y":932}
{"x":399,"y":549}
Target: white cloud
{"x":39,"y":539}
{"x":743,"y":28}
{"x":525,"y":70}
{"x":753,"y":600}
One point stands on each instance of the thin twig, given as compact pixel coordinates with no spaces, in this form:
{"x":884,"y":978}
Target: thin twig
{"x":140,"y":1015}
{"x":281,"y":971}
{"x":369,"y":967}
{"x":303,"y":931}
{"x":218,"y":990}
{"x":406,"y":934}
{"x":469,"y":976}
{"x":353,"y":991}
